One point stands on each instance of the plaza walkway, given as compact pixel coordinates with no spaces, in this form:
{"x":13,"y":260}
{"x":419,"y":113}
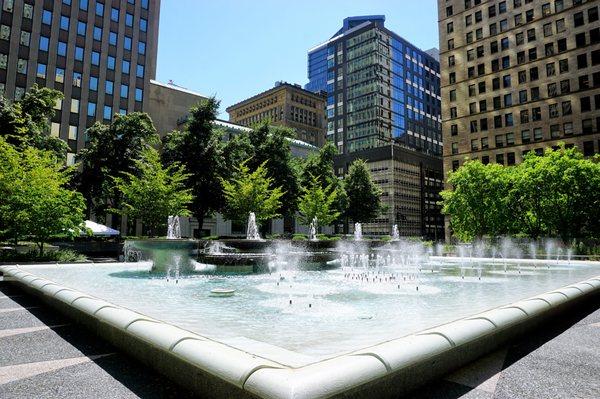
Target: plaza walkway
{"x":44,"y":355}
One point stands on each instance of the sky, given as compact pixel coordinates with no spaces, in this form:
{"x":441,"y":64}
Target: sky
{"x":234,"y":49}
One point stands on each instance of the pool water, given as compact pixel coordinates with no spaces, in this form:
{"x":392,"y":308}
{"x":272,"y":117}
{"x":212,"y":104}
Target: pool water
{"x":316,"y":314}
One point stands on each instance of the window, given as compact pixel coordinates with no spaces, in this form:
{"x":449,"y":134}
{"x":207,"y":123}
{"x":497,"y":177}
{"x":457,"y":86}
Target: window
{"x":537,"y":134}
{"x":21,"y":66}
{"x":453,"y":112}
{"x":91,"y":109}
{"x":452,"y":77}
{"x":493,"y":29}
{"x":525,"y":136}
{"x":128,"y":19}
{"x":124,"y":91}
{"x":508,"y":119}
{"x":64,"y":22}
{"x":100,"y":10}
{"x":54,"y":129}
{"x":93,"y":83}
{"x":83,"y":5}
{"x":110,"y":62}
{"x":143,"y":25}
{"x":550,"y":69}
{"x":453,"y":130}
{"x":452,"y":95}
{"x":125,"y":65}
{"x":497,"y":121}
{"x":473,"y":126}
{"x":510,"y":138}
{"x":25,"y":38}
{"x":531,"y":35}
{"x":41,"y":71}
{"x":474,"y":145}
{"x":508,"y":100}
{"x":62,"y":49}
{"x":533,"y":74}
{"x":563,"y":66}
{"x":454,"y":148}
{"x":449,"y":27}
{"x":568,"y":128}
{"x":592,"y":14}
{"x":588,"y":146}
{"x":535,"y":93}
{"x":552,"y":92}
{"x":522,"y":76}
{"x":481,"y":87}
{"x":44,"y":43}
{"x":97,"y":33}
{"x":5,"y":32}
{"x":483,"y":124}
{"x":81,"y":28}
{"x":553,"y":111}
{"x":449,"y":11}
{"x":47,"y":17}
{"x":145,"y":4}
{"x":79,"y":53}
{"x":455,"y":165}
{"x":536,"y":114}
{"x":139,"y":94}
{"x":578,"y":19}
{"x":114,"y":14}
{"x":450,"y":44}
{"x":77,"y":78}
{"x":529,"y":15}
{"x":524,"y":116}
{"x":532,"y":52}
{"x":549,"y":49}
{"x":519,"y":38}
{"x":587,"y":127}
{"x":584,"y":82}
{"x":554,"y":131}
{"x":580,"y":40}
{"x":503,"y":25}
{"x":108,"y":87}
{"x":142,"y":48}
{"x":112,"y":38}
{"x":127,"y":43}
{"x":75,"y":106}
{"x":72,"y":132}
{"x":523,"y":96}
{"x":60,"y":75}
{"x":582,"y":61}
{"x":586,"y":104}
{"x":95,"y":58}
{"x":139,"y":71}
{"x":566,"y":108}
{"x":548,"y":29}
{"x":107,"y":112}
{"x":499,"y":140}
{"x":28,"y":11}
{"x":473,"y":108}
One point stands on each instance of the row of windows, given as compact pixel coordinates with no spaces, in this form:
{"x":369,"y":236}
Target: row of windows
{"x":114,"y":16}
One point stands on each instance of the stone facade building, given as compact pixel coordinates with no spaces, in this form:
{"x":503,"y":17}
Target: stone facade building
{"x":287,"y":105}
{"x":518,"y":76}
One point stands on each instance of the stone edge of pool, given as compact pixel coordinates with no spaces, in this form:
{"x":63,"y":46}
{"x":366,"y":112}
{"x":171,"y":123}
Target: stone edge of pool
{"x":388,"y":369}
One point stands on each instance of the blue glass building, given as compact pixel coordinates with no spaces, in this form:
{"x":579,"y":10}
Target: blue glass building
{"x":384,"y":106}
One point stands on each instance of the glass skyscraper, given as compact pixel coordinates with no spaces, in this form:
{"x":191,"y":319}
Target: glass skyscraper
{"x":384,"y":105}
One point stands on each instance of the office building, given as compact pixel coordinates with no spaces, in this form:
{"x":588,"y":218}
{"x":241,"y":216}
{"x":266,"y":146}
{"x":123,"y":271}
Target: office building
{"x":100,"y":54}
{"x":518,"y":76}
{"x":383,"y":105}
{"x":287,"y":105}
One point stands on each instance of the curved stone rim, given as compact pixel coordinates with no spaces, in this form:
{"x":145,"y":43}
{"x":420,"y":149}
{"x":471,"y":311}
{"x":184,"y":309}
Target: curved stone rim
{"x":389,"y":367}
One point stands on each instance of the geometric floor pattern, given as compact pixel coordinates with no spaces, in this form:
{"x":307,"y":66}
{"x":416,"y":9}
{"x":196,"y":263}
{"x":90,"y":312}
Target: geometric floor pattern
{"x":43,"y":355}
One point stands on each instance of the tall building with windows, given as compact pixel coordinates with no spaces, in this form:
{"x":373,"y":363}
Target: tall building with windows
{"x":383,"y":105}
{"x":101,"y":54}
{"x":518,"y":76}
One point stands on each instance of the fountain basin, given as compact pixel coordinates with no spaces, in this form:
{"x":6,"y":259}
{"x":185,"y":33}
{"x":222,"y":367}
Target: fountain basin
{"x":390,"y":368}
{"x":165,"y":253}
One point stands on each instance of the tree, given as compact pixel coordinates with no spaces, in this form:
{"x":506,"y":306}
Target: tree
{"x":35,"y":200}
{"x":26,"y":122}
{"x":477,"y":203}
{"x":251,"y":192}
{"x":322,"y":164}
{"x":271,"y":144}
{"x":364,"y":203}
{"x":199,"y":148}
{"x":155,"y":192}
{"x":318,"y":202}
{"x":112,"y":150}
{"x":557,"y":194}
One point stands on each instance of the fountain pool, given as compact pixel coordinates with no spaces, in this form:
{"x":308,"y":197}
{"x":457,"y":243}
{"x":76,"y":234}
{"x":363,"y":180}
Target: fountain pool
{"x":300,"y":316}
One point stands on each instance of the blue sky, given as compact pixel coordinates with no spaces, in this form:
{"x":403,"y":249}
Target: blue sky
{"x":234,"y":49}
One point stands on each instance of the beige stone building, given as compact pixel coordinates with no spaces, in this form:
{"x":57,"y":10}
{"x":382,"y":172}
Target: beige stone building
{"x":287,"y":105}
{"x":518,"y":76}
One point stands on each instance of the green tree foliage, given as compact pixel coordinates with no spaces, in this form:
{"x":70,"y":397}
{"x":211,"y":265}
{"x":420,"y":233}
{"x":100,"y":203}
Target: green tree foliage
{"x":35,"y":200}
{"x":112,"y":150}
{"x":154,"y":192}
{"x":318,"y":202}
{"x":364,"y":203}
{"x":478,"y":201}
{"x":556,"y":194}
{"x":251,"y":192}
{"x":321,"y":164}
{"x":200,"y":149}
{"x":26,"y":122}
{"x":270,"y":143}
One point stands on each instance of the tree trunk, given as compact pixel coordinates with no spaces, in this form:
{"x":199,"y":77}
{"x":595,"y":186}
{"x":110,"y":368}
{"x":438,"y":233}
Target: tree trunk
{"x":41,"y":246}
{"x":199,"y":215}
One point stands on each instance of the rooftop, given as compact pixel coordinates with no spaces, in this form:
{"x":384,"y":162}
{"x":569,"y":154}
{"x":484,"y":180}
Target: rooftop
{"x":278,"y":86}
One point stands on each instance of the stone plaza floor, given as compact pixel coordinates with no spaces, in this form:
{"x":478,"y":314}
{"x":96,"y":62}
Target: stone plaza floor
{"x":44,"y":355}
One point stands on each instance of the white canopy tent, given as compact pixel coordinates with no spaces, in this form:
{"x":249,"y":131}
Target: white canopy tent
{"x":99,"y":229}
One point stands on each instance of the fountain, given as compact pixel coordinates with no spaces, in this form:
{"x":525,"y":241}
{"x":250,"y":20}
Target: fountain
{"x":172,"y":253}
{"x":395,"y":233}
{"x":312,"y":234}
{"x":357,"y":232}
{"x":252,"y":230}
{"x":173,"y":228}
